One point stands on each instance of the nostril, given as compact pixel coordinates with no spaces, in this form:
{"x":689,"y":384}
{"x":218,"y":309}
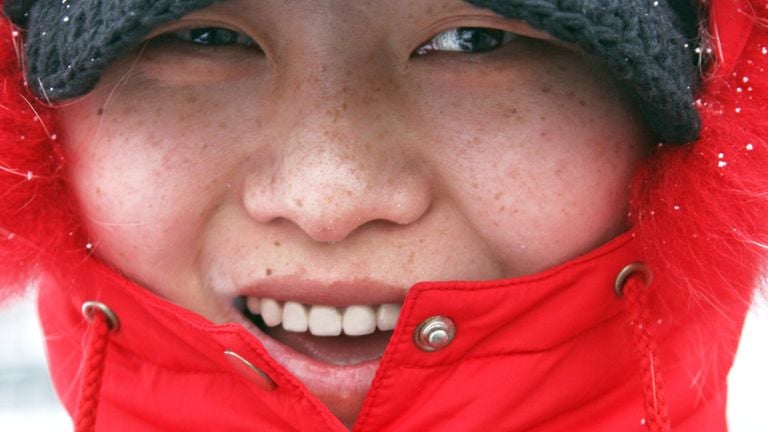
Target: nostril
{"x":334,"y":221}
{"x":330,"y":231}
{"x":331,"y":197}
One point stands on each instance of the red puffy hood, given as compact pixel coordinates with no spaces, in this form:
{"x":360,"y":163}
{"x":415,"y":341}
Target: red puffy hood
{"x":545,"y":352}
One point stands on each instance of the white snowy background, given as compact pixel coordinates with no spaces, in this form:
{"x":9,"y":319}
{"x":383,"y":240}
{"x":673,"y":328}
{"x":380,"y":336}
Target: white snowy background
{"x":27,"y":401}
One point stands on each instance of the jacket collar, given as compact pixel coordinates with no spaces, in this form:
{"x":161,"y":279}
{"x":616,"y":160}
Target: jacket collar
{"x":545,"y":351}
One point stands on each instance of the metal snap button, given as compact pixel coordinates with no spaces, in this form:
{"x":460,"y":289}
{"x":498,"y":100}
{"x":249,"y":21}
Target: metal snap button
{"x":629,"y":270}
{"x":254,"y":374}
{"x":90,"y":307}
{"x":434,"y":333}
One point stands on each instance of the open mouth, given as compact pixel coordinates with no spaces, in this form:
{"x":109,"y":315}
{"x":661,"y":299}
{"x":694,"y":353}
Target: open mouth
{"x":338,"y":335}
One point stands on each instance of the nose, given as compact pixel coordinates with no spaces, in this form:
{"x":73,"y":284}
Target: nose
{"x":340,"y":161}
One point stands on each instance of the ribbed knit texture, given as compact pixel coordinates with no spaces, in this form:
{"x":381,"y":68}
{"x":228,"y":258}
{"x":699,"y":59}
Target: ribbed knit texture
{"x":642,"y":42}
{"x":69,"y":43}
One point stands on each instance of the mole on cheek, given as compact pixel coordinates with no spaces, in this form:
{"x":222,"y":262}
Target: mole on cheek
{"x":507,"y":111}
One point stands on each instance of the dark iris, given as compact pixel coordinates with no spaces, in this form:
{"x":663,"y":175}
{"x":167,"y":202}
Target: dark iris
{"x":474,"y":39}
{"x":213,"y":36}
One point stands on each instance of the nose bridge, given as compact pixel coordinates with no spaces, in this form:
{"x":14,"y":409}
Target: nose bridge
{"x":339,"y":130}
{"x":336,"y":86}
{"x":343,"y":157}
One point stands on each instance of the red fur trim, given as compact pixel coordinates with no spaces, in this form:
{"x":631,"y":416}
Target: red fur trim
{"x":701,"y":210}
{"x":35,"y":215}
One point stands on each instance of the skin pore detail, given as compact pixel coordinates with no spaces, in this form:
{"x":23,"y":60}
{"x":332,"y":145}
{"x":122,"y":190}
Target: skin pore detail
{"x":331,"y":160}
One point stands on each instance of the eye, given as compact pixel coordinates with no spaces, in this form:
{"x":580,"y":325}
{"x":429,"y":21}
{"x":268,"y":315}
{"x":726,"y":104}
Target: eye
{"x":212,"y":36}
{"x":467,"y":39}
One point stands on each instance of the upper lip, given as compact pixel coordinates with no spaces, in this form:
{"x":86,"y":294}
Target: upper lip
{"x":334,"y":293}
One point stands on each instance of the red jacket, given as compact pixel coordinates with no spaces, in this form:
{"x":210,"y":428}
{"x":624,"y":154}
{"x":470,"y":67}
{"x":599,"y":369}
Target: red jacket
{"x":549,"y":352}
{"x":558,"y":351}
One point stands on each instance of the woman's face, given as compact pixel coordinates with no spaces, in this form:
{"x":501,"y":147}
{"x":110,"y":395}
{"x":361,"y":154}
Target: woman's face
{"x":340,"y":158}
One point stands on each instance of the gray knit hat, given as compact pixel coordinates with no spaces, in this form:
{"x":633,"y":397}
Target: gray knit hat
{"x":647,"y":44}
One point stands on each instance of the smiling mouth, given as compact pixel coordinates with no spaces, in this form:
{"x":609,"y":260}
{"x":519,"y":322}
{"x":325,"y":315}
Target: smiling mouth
{"x":337,"y":335}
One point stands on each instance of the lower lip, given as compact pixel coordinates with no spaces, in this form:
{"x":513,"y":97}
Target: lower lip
{"x":341,"y":388}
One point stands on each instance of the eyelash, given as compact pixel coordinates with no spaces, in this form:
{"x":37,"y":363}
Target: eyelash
{"x":459,"y":39}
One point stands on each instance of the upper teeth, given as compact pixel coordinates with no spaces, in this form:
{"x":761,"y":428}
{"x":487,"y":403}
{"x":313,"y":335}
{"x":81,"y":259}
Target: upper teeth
{"x":320,"y":320}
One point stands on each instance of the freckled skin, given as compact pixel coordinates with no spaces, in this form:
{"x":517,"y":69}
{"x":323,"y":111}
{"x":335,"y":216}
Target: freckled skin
{"x":346,"y":157}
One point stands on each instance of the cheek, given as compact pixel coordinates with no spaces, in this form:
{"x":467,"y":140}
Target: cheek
{"x":145,"y":196}
{"x":539,"y":165}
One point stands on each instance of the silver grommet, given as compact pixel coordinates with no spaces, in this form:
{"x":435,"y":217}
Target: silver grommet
{"x":90,"y":307}
{"x":434,"y":333}
{"x":629,"y":270}
{"x":254,"y":374}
